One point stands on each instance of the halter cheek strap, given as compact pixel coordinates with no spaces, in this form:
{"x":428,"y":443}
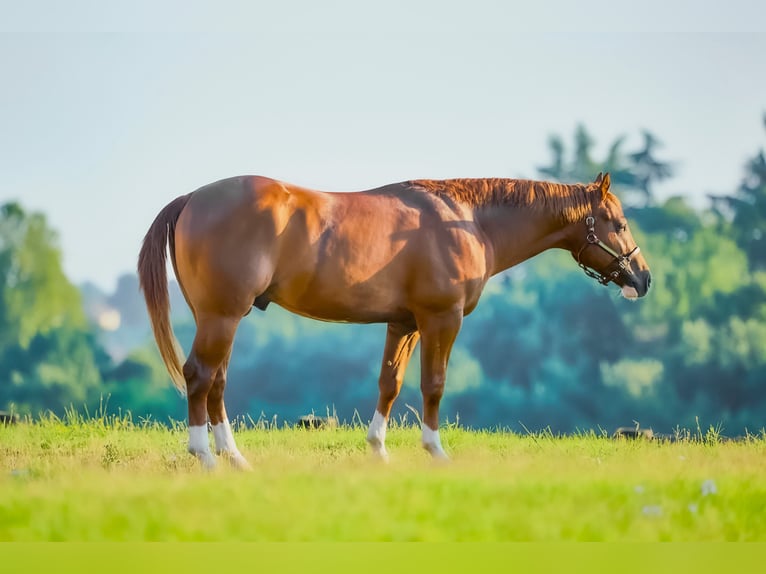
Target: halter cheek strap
{"x":620,"y":264}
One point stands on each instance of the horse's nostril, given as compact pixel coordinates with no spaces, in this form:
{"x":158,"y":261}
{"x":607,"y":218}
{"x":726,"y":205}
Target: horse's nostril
{"x":648,"y":281}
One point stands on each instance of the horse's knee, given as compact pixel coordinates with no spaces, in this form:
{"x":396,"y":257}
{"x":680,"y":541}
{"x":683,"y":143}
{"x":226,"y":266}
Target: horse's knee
{"x":433,"y":390}
{"x":389,"y":387}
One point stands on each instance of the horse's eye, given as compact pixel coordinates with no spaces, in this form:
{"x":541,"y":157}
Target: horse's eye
{"x":621,"y":227}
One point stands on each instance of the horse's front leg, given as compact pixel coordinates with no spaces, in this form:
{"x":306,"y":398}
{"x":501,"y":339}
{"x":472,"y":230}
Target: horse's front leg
{"x":400,"y":342}
{"x":438,"y":333}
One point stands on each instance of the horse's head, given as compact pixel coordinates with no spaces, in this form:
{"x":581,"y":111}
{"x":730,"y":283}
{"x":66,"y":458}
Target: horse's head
{"x":604,"y":247}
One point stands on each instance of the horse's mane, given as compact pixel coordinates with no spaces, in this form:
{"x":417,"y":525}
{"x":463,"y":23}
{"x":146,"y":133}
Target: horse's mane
{"x":571,"y":202}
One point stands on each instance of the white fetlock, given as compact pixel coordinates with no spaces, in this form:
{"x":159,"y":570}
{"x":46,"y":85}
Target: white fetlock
{"x":207,"y":459}
{"x":378,"y":450}
{"x":199,"y":446}
{"x":226,"y":447}
{"x":432,"y":443}
{"x":376,"y":436}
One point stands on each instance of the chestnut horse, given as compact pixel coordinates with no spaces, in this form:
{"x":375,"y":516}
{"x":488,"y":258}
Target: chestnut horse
{"x":415,"y":255}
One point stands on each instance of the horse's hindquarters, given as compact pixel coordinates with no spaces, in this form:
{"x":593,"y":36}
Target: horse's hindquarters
{"x":225,"y":240}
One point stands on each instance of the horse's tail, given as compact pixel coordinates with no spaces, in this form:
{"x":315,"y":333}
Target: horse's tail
{"x":152,"y":277}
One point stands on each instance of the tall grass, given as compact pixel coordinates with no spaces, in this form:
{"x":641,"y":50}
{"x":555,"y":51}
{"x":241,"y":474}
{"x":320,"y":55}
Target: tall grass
{"x":107,"y":477}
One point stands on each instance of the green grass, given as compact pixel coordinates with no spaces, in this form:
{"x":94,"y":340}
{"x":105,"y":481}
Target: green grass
{"x":110,"y":479}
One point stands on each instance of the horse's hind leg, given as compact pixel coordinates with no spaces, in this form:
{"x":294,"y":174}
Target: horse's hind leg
{"x":400,"y":342}
{"x":209,"y":353}
{"x":216,"y":411}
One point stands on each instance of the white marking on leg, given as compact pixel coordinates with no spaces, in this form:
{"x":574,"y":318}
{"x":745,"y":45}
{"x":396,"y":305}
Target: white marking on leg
{"x":432,"y":443}
{"x":199,"y":445}
{"x":225,"y":445}
{"x":376,"y":435}
{"x":224,"y":440}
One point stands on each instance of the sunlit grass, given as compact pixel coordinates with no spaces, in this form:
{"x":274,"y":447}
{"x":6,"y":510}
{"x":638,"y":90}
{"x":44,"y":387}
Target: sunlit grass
{"x":112,"y":478}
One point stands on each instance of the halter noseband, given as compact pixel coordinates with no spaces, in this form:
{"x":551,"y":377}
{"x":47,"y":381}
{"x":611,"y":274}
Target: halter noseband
{"x":620,"y":264}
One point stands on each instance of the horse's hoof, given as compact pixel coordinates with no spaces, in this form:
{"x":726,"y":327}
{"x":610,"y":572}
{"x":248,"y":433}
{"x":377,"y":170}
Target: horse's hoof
{"x":206,"y":459}
{"x":380,"y":455}
{"x":379,"y":451}
{"x":239,"y":462}
{"x":235,"y":458}
{"x":436,"y":452}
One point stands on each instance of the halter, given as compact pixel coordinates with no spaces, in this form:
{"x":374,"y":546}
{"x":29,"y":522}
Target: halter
{"x":622,"y":261}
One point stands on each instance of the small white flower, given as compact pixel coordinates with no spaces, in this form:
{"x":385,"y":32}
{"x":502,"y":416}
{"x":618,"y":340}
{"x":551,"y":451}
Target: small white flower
{"x":709,"y":487}
{"x":638,"y":489}
{"x":652,"y":510}
{"x":693,"y":508}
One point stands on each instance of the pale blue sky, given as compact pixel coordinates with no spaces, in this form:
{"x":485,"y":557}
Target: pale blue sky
{"x":106,"y":113}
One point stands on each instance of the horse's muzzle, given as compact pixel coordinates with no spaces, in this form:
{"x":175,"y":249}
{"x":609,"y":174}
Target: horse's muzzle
{"x":636,"y":284}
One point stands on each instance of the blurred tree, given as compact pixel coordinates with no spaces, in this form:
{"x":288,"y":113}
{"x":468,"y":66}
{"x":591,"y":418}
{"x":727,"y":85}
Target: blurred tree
{"x":633,"y":174}
{"x":646,"y":169}
{"x":691,"y":348}
{"x":581,"y":167}
{"x":47,"y":356}
{"x":746,"y":209}
{"x":140,"y":385}
{"x":36,"y":295}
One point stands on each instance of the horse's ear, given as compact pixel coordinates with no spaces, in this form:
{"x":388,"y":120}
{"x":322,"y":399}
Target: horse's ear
{"x":604,"y":185}
{"x":598,"y":179}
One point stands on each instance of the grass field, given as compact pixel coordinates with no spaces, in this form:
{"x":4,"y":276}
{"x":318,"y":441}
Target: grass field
{"x":109,"y":479}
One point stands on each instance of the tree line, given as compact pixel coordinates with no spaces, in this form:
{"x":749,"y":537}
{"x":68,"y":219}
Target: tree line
{"x":545,"y":348}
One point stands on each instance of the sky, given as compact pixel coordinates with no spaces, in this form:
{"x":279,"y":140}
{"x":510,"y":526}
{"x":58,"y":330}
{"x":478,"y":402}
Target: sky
{"x":109,"y":110}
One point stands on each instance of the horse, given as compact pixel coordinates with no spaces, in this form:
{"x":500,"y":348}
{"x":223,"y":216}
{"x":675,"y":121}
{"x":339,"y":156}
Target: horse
{"x":415,"y":255}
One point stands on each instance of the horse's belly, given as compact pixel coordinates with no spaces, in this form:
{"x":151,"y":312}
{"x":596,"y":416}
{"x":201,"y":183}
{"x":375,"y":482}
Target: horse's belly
{"x":331,"y":295}
{"x":343,"y":306}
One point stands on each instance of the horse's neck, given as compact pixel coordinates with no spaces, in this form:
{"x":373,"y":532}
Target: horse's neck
{"x":517,"y":234}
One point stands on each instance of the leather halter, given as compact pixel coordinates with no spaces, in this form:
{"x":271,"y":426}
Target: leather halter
{"x":620,"y":264}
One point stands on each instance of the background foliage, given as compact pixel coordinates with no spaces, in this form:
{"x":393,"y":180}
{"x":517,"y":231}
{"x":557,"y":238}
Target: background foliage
{"x":545,"y":348}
